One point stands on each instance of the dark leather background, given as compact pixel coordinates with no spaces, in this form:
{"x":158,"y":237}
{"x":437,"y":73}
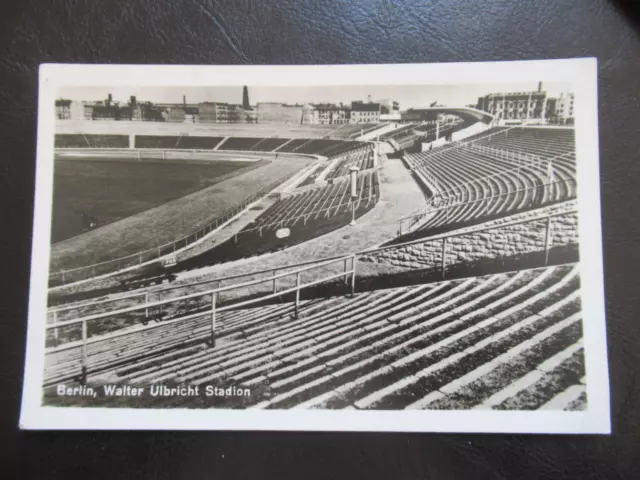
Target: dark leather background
{"x":305,"y":32}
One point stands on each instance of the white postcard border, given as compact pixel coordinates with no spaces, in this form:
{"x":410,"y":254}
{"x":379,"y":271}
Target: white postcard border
{"x":581,"y":73}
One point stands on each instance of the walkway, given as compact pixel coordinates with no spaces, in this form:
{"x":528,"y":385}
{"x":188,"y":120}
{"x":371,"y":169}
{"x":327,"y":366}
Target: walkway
{"x":399,"y":196}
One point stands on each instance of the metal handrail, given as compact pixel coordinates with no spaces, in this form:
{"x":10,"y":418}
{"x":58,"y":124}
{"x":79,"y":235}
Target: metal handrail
{"x":157,"y":303}
{"x":487,"y":198}
{"x":312,"y":265}
{"x":391,"y":135}
{"x":466,"y":141}
{"x":459,"y":234}
{"x":537,"y":160}
{"x":85,"y":341}
{"x":315,"y":212}
{"x":288,"y":220}
{"x":75,"y":306}
{"x":201,"y":232}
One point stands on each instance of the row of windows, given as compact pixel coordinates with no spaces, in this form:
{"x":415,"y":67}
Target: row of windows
{"x":63,"y":112}
{"x":533,"y":104}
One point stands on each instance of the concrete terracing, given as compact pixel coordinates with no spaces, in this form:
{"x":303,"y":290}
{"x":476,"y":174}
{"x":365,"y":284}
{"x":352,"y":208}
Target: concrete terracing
{"x":201,"y":129}
{"x":399,"y":196}
{"x":370,"y":136}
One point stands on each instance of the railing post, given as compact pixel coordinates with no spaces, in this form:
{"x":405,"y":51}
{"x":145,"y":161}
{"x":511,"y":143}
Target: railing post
{"x":353,"y":274}
{"x":83,"y":377}
{"x":547,"y":240}
{"x":275,"y":280}
{"x":444,"y":256}
{"x":297,"y":306}
{"x":346,"y":275}
{"x":55,"y":330}
{"x":213,"y":318}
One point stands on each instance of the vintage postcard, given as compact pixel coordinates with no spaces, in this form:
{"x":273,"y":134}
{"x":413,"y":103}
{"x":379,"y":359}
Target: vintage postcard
{"x":370,"y":247}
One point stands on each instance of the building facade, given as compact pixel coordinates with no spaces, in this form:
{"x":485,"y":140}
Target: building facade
{"x":63,"y":109}
{"x":512,"y":107}
{"x":271,"y":112}
{"x":217,"y":112}
{"x":176,"y":114}
{"x":325,"y":114}
{"x":565,"y":108}
{"x":389,"y":107}
{"x":516,"y":105}
{"x":365,"y":112}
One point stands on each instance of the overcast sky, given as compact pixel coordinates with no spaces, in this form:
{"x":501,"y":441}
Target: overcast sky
{"x":407,"y":95}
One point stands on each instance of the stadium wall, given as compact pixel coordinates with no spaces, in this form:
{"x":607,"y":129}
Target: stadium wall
{"x":498,"y":242}
{"x":436,"y":143}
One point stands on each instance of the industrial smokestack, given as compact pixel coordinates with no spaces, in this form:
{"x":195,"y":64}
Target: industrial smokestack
{"x":184,"y":101}
{"x":245,"y":98}
{"x":539,"y":86}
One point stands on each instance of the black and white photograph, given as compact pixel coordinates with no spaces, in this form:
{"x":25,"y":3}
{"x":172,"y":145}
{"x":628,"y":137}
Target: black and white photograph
{"x":389,"y":247}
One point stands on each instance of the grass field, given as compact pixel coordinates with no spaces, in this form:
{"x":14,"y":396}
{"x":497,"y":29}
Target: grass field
{"x":173,"y":219}
{"x":91,"y":192}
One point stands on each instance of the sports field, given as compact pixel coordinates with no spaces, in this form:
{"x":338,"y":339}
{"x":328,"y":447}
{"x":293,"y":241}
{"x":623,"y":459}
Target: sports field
{"x":90,"y":192}
{"x":174,"y":218}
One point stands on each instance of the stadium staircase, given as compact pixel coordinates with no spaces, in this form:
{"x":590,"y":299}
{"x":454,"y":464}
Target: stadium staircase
{"x":224,"y":140}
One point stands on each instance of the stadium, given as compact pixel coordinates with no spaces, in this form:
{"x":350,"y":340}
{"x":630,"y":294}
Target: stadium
{"x":430,"y":262}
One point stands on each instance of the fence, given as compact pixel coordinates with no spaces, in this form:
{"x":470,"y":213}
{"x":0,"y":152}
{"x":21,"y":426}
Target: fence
{"x":439,"y":257}
{"x":480,"y":137}
{"x":533,"y":161}
{"x":364,"y":131}
{"x":292,"y":220}
{"x":109,"y":266}
{"x":496,"y":241}
{"x":215,"y":308}
{"x":544,"y":188}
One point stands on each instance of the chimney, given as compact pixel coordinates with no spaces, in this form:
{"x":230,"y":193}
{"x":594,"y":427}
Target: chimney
{"x":539,"y":86}
{"x":184,"y":101}
{"x":369,"y":98}
{"x":110,"y":98}
{"x":245,"y":98}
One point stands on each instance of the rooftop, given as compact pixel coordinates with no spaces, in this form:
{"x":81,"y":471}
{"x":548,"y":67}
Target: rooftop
{"x":365,"y":107}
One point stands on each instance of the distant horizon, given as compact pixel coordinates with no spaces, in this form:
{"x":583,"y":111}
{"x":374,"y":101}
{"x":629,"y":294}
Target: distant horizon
{"x":408,"y":96}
